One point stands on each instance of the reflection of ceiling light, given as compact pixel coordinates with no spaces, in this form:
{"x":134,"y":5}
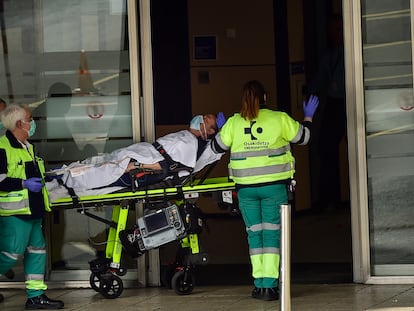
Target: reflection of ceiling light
{"x":82,"y":247}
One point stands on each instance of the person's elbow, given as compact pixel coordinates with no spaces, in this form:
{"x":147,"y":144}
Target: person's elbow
{"x":304,"y":134}
{"x":217,"y":145}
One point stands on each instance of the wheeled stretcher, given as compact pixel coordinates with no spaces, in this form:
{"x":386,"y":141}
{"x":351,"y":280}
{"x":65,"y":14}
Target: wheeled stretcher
{"x":170,"y":213}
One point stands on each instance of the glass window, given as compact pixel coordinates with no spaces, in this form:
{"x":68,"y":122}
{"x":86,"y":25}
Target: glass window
{"x":69,"y":61}
{"x":389,"y":117}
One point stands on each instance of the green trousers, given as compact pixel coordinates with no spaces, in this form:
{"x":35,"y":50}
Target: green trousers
{"x":260,"y":208}
{"x":24,"y":239}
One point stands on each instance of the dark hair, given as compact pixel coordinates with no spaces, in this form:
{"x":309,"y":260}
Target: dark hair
{"x":253,"y":97}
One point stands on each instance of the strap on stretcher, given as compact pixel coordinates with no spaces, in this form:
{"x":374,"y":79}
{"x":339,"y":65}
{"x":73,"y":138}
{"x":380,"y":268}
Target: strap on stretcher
{"x":174,"y":167}
{"x":209,"y":185}
{"x":72,"y":193}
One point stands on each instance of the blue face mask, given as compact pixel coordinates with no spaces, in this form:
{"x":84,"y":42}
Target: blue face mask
{"x":196,"y":121}
{"x":196,"y":125}
{"x":1,"y":126}
{"x":32,"y":129}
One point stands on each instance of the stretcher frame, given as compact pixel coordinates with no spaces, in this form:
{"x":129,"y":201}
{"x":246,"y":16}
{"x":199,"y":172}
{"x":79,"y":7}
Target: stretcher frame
{"x":107,"y":282}
{"x":116,"y":198}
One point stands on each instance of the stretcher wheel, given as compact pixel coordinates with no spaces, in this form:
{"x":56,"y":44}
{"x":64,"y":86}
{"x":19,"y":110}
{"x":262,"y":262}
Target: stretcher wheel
{"x":121,"y":271}
{"x":183,"y":282}
{"x":111,"y":286}
{"x":94,"y":281}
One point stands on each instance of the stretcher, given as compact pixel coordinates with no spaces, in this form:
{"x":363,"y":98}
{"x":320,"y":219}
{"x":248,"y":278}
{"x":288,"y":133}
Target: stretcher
{"x":178,"y":218}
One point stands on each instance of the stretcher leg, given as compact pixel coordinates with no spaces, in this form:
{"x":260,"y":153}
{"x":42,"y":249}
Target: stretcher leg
{"x":105,"y":272}
{"x":183,"y":279}
{"x":114,"y":246}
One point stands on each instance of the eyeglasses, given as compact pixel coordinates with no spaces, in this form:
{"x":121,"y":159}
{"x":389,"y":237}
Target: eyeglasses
{"x":31,"y":119}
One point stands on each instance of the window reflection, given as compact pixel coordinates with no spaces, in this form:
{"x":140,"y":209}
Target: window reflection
{"x":69,"y":61}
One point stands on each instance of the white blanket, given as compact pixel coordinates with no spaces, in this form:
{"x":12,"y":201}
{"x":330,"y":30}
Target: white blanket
{"x":57,"y":191}
{"x":100,"y":171}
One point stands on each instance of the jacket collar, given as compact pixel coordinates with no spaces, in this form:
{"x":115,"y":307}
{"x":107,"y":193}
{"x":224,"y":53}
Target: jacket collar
{"x":13,"y":141}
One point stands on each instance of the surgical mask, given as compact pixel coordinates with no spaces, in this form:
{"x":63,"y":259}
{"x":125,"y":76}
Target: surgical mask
{"x":196,"y":121}
{"x":32,"y":128}
{"x":196,"y":125}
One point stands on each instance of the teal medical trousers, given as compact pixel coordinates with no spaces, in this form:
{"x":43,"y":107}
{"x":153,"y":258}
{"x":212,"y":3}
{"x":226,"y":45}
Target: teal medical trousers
{"x":260,"y":208}
{"x":21,"y":238}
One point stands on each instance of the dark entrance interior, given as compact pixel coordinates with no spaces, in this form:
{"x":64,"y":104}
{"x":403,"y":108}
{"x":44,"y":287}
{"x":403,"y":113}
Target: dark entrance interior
{"x":321,"y":238}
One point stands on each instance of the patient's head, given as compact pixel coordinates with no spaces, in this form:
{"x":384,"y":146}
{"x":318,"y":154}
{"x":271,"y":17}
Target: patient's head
{"x":204,"y":125}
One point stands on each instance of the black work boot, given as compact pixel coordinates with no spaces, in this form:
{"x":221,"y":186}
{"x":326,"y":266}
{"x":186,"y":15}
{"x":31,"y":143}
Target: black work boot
{"x":43,"y":302}
{"x":270,"y":294}
{"x":9,"y":274}
{"x":257,"y":293}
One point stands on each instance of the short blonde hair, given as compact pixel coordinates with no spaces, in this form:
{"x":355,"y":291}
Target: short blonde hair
{"x":11,"y":114}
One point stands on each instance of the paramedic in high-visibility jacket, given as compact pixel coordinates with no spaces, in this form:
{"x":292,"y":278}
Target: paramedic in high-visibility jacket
{"x":262,"y":166}
{"x":23,"y":203}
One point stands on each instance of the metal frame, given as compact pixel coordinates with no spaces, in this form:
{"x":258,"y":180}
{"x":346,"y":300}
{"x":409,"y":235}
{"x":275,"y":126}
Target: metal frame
{"x":356,"y":140}
{"x":134,"y":69}
{"x":357,"y":149}
{"x":142,"y":106}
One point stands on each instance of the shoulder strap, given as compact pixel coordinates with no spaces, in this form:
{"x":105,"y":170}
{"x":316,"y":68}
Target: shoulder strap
{"x":173,"y":166}
{"x":171,"y":163}
{"x":73,"y":195}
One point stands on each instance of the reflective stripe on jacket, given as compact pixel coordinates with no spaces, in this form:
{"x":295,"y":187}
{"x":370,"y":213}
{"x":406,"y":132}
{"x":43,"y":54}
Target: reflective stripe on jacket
{"x":260,"y":149}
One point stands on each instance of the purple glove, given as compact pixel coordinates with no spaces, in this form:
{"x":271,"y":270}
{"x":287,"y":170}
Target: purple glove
{"x":220,"y":120}
{"x":34,"y":184}
{"x":310,"y":106}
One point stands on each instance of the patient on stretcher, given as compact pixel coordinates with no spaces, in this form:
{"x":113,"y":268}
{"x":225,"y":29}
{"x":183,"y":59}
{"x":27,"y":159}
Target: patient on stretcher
{"x":188,"y":150}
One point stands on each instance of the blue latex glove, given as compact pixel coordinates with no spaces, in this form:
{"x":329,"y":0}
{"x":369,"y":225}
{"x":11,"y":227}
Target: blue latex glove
{"x":34,"y":184}
{"x":310,"y":106}
{"x":220,"y":120}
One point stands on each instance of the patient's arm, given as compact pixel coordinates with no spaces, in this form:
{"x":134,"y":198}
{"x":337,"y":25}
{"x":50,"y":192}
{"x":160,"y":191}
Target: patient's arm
{"x":154,"y":166}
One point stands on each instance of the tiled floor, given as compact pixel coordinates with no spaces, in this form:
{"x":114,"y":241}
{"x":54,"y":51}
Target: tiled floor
{"x":321,"y":286}
{"x":304,"y":297}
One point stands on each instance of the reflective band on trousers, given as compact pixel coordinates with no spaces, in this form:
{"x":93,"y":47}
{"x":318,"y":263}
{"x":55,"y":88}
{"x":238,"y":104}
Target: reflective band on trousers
{"x":264,"y":250}
{"x":33,"y":250}
{"x":257,"y":171}
{"x":35,"y":277}
{"x":12,"y":256}
{"x":264,"y":226}
{"x":260,"y":153}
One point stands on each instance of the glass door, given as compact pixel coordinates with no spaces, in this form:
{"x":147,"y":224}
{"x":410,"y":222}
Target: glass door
{"x":70,"y":62}
{"x":389,"y":124}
